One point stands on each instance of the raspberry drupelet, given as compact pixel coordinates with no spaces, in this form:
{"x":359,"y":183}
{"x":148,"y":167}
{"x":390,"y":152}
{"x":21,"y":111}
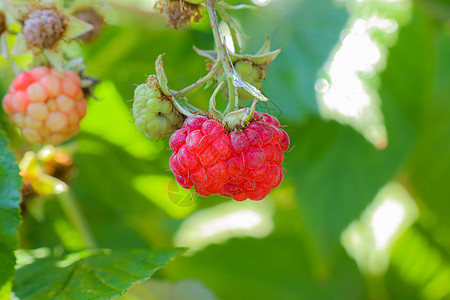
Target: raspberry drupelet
{"x":244,"y":164}
{"x":46,"y":104}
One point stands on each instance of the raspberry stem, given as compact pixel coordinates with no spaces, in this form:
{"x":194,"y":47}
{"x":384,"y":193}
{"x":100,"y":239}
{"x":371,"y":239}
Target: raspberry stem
{"x":252,"y":111}
{"x":181,"y":108}
{"x":220,"y":47}
{"x":73,"y":213}
{"x":233,"y":79}
{"x":233,"y":95}
{"x":212,"y":101}
{"x":222,"y":56}
{"x":191,"y":88}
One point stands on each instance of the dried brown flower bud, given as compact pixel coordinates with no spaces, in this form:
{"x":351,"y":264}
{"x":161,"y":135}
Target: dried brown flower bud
{"x":178,"y":12}
{"x":43,"y":28}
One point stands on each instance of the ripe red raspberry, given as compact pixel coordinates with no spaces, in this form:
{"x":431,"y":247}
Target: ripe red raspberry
{"x":46,"y":104}
{"x":239,"y":164}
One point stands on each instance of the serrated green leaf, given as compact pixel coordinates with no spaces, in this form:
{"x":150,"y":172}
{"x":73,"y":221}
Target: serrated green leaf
{"x":10,"y":183}
{"x":102,"y":274}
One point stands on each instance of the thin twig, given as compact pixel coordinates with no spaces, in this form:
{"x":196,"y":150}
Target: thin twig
{"x":73,"y":213}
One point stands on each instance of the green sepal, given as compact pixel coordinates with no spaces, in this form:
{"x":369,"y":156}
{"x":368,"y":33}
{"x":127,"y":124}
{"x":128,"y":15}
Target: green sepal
{"x":265,"y":47}
{"x":76,"y":64}
{"x":212,"y":102}
{"x":76,"y":27}
{"x":183,"y":102}
{"x":14,"y":10}
{"x":231,"y":22}
{"x":161,"y":75}
{"x":20,"y":47}
{"x":55,"y":57}
{"x":4,"y":46}
{"x":210,"y":54}
{"x":237,"y":119}
{"x":262,"y":57}
{"x":259,"y":59}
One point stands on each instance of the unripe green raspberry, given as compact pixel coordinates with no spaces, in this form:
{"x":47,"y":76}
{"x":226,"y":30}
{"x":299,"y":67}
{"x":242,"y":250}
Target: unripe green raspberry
{"x":252,"y":73}
{"x":153,"y":111}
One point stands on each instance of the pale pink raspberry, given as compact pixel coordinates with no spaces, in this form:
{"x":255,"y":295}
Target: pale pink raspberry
{"x":46,"y":104}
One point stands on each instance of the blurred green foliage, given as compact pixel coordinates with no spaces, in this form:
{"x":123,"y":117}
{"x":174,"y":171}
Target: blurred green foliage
{"x":10,"y":183}
{"x":332,"y":172}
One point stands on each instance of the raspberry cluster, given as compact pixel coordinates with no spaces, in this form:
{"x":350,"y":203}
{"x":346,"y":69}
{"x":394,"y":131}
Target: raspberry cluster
{"x":46,"y":104}
{"x":243,"y":164}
